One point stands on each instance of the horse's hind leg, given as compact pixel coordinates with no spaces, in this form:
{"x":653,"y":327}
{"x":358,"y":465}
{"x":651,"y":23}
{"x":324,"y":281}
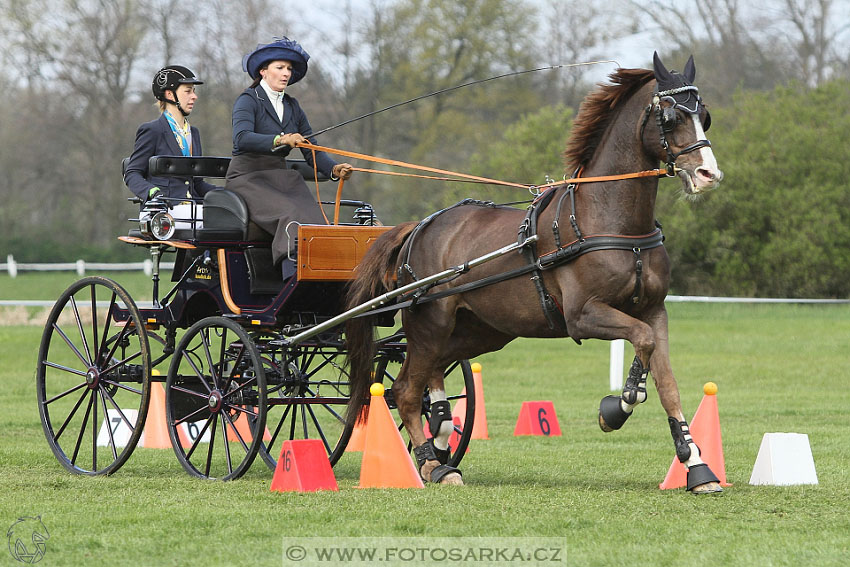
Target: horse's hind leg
{"x":431,"y":455}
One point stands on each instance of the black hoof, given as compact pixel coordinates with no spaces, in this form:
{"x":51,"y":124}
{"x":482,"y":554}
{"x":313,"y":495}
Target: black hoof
{"x":701,"y":474}
{"x":611,"y":414}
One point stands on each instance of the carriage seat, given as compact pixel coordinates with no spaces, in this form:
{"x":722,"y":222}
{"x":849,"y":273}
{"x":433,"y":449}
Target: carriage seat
{"x":224,"y":213}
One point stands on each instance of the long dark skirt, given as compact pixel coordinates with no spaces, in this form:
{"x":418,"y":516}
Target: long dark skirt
{"x":275,"y":197}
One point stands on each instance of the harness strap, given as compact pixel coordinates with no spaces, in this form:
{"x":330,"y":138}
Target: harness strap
{"x":638,"y":275}
{"x":551,"y":310}
{"x":405,"y":266}
{"x":554,"y":259}
{"x":600,"y":242}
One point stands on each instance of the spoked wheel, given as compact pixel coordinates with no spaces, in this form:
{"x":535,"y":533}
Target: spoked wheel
{"x":460,"y":388}
{"x":215,"y":399}
{"x":308,"y":390}
{"x":93,"y":377}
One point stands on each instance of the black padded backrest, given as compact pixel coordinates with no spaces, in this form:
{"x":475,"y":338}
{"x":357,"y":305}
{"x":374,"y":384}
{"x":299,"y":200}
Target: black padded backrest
{"x":207,"y":166}
{"x":197,"y":166}
{"x":124,"y":163}
{"x":225,"y":210}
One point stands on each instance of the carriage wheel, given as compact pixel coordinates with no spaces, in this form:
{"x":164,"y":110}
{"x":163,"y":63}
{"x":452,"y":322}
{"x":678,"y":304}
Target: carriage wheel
{"x":307,"y":396}
{"x":460,"y":387}
{"x":215,"y":399}
{"x":93,"y":377}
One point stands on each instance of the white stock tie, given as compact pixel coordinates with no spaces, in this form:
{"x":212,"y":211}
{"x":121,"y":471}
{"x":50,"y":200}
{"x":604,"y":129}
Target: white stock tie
{"x":277,"y":102}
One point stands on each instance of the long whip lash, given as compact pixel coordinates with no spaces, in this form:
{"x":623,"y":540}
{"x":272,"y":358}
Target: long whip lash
{"x":373,"y":113}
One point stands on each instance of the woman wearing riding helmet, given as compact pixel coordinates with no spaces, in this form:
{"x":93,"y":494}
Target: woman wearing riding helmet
{"x":170,"y":134}
{"x":267,"y":125}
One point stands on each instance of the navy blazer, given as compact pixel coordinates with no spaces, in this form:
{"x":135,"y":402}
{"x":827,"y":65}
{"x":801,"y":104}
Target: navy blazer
{"x":155,"y":138}
{"x":255,"y":125}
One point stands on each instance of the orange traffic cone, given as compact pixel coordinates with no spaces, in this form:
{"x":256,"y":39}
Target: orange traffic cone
{"x":705,"y":430}
{"x":155,"y":434}
{"x":244,"y":429}
{"x":357,"y":441}
{"x":386,"y":462}
{"x":479,"y":427}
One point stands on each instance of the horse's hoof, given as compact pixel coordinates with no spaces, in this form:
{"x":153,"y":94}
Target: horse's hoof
{"x":708,"y":488}
{"x":433,"y":471}
{"x":701,"y":480}
{"x":452,"y":478}
{"x":611,"y":414}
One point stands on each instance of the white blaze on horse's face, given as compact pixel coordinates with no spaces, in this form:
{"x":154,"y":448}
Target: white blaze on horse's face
{"x":705,"y":175}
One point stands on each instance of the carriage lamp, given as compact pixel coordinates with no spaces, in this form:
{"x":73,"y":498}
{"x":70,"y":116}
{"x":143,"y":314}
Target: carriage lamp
{"x":158,"y":224}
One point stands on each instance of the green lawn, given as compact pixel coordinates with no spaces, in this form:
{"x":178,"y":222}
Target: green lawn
{"x":49,"y":285}
{"x":779,"y":368}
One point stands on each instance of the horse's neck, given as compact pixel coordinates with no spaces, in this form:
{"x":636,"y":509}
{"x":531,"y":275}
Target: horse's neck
{"x":618,"y":207}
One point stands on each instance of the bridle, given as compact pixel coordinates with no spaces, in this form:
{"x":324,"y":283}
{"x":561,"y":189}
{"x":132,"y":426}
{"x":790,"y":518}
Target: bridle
{"x":666,"y":119}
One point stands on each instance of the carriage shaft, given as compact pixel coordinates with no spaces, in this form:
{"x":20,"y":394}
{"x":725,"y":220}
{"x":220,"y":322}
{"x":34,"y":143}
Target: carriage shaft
{"x":392,"y":294}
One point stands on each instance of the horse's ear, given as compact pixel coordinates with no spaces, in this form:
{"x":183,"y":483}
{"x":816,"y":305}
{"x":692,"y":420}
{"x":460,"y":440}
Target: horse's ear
{"x":690,"y":70}
{"x":661,"y":72}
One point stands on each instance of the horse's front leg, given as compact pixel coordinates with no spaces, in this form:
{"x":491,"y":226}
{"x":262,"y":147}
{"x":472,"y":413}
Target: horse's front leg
{"x":432,"y":455}
{"x":601,"y":321}
{"x":701,"y":479}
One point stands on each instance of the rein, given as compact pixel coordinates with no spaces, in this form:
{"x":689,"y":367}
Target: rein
{"x":467,"y":178}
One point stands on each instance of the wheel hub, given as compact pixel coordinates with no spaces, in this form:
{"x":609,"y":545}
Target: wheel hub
{"x":92,"y":378}
{"x":215,"y":401}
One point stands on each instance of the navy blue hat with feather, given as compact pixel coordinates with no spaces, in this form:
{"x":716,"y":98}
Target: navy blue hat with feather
{"x":281,"y":49}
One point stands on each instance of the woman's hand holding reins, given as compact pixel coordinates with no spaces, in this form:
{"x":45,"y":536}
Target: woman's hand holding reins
{"x":290,"y":140}
{"x":341,"y":170}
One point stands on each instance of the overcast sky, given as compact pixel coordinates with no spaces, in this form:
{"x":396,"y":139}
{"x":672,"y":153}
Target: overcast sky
{"x":325,"y":17}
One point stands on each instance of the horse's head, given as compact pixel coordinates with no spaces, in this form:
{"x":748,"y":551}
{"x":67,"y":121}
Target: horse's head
{"x":681,"y":121}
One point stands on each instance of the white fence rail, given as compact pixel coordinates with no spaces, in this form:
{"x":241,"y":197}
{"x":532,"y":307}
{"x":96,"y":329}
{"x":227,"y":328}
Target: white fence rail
{"x":616,"y":372}
{"x":80,"y":266}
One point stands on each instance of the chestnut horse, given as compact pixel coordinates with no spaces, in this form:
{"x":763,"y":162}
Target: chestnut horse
{"x":615,"y":290}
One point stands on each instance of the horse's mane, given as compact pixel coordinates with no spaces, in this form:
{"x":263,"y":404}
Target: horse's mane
{"x":596,"y":110}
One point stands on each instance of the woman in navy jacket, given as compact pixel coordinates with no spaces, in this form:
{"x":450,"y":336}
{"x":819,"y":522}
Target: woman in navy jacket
{"x":267,"y":125}
{"x":170,"y":135}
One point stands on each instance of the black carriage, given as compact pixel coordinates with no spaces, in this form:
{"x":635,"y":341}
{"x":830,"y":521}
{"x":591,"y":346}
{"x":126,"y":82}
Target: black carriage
{"x":235,"y":383}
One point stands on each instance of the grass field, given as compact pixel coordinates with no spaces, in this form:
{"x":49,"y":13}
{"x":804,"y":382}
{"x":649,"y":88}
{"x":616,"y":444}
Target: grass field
{"x":779,"y":369}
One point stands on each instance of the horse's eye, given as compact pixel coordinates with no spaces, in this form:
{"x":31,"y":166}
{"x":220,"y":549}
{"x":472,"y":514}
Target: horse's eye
{"x":669,"y":119}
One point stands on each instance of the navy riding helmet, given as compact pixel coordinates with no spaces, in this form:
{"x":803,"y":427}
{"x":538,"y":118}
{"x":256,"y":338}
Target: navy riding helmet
{"x":282,"y":49}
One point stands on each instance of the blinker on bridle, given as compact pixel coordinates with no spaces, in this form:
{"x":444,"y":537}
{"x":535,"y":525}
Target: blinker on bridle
{"x":665,"y":119}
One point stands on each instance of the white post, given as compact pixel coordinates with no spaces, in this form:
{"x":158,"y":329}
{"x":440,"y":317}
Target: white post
{"x":11,"y":266}
{"x":81,"y":268}
{"x":618,"y":349}
{"x":147,"y":267}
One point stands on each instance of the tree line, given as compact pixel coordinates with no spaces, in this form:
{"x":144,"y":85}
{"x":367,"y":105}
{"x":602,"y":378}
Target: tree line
{"x":77,"y":75}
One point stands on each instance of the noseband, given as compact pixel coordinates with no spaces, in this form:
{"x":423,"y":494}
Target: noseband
{"x":665,"y":119}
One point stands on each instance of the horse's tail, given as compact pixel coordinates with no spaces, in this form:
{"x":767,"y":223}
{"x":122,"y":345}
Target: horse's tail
{"x":372,"y":278}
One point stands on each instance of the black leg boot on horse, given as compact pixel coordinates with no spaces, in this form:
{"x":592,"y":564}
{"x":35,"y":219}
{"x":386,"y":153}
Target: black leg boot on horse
{"x":701,"y":479}
{"x":433,"y":456}
{"x":615,"y":410}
